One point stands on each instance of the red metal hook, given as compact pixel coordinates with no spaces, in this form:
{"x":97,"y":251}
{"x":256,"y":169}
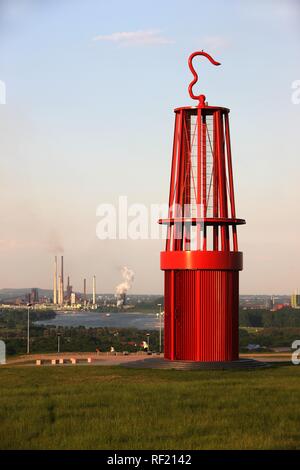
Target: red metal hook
{"x":201,"y":98}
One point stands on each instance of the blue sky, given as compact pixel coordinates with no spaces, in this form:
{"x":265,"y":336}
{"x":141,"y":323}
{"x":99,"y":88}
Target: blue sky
{"x":90,"y":92}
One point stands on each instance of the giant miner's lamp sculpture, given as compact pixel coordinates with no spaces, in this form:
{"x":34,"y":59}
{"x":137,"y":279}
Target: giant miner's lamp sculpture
{"x":201,"y":260}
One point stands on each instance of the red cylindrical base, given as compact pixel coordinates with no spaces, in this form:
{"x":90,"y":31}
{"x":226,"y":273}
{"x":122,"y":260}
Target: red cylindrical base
{"x":201,"y":315}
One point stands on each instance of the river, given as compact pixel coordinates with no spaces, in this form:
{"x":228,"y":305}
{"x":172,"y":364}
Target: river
{"x":90,"y":319}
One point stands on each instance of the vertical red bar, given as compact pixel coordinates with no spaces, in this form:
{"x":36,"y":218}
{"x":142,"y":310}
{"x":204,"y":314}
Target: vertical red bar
{"x":197,"y":308}
{"x":203,"y":202}
{"x":172,"y":181}
{"x":198,"y":198}
{"x":187,"y":183}
{"x":177,"y":231}
{"x":172,"y":316}
{"x":215,"y":185}
{"x":230,"y":177}
{"x":222,"y":180}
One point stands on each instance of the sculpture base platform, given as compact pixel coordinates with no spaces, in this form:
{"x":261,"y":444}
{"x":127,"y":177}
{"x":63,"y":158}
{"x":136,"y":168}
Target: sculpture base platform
{"x":159,"y":363}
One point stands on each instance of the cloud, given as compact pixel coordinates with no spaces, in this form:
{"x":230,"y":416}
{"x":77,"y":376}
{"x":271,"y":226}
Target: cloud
{"x":12,"y":244}
{"x":8,"y":244}
{"x":269,"y":9}
{"x":215,"y":43}
{"x":135,"y":38}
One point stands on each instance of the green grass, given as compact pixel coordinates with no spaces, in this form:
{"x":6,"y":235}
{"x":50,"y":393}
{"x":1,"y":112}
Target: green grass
{"x":93,"y":407}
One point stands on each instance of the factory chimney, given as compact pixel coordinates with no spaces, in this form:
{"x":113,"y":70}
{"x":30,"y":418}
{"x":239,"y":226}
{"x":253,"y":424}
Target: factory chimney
{"x":94,"y":290}
{"x":55,"y":281}
{"x":62,"y":281}
{"x":84,"y":291}
{"x":59,"y":290}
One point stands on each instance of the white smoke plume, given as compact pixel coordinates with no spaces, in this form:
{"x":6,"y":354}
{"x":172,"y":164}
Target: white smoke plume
{"x":125,"y":285}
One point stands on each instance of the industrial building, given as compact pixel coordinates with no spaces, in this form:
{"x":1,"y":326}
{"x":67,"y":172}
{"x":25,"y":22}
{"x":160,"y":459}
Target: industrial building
{"x":295,"y":299}
{"x":64,"y":298}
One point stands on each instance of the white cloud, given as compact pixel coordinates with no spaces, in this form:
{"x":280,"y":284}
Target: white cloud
{"x":215,"y":43}
{"x":133,"y":38}
{"x":269,"y":10}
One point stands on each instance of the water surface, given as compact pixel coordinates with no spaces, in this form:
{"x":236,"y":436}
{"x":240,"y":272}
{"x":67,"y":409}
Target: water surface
{"x":91,"y":319}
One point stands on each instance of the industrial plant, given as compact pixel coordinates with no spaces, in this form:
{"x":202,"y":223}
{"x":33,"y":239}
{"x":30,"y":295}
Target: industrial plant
{"x":64,"y":298}
{"x":295,"y":300}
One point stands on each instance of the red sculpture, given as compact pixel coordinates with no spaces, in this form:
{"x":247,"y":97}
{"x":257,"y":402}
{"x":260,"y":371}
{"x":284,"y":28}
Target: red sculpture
{"x":201,"y":260}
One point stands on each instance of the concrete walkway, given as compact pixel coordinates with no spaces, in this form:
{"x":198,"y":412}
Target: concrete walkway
{"x":113,"y":359}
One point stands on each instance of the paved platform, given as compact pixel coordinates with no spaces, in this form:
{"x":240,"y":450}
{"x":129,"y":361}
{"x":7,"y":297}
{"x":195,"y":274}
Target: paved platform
{"x":160,"y":363}
{"x":143,"y":360}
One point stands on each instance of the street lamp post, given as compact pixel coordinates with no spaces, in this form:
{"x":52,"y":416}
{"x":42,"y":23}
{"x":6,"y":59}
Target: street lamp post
{"x":159,"y":305}
{"x":148,"y":336}
{"x":58,"y":342}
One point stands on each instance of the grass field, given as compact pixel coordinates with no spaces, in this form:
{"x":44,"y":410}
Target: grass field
{"x":94,"y":407}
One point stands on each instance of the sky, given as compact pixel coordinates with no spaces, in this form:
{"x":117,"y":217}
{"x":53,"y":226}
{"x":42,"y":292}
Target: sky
{"x":90,"y":89}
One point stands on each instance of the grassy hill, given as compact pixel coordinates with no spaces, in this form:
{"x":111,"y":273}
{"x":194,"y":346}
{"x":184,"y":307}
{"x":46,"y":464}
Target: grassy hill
{"x":94,"y":407}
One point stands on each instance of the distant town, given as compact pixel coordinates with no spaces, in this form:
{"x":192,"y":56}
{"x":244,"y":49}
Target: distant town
{"x":63,"y":297}
{"x":43,"y":299}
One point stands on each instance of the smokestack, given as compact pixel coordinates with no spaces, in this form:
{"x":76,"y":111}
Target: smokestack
{"x":62,"y":281}
{"x":59,"y":290}
{"x":55,"y":281}
{"x":94,"y":290}
{"x":84,"y":291}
